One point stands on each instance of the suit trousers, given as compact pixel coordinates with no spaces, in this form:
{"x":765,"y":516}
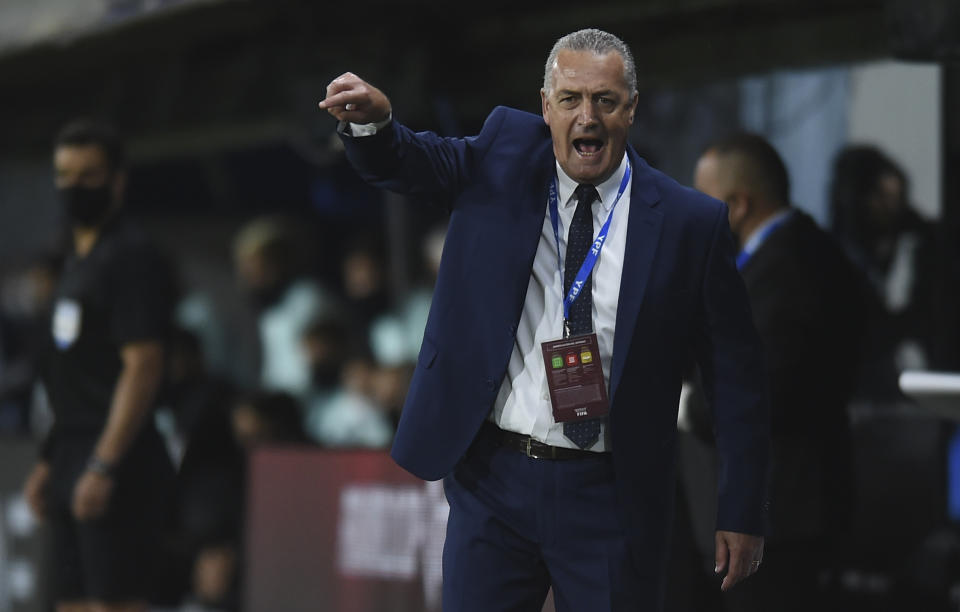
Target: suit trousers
{"x":520,"y":525}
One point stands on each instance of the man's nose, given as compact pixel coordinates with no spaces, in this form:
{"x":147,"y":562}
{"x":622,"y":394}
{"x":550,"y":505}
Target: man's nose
{"x":588,"y":113}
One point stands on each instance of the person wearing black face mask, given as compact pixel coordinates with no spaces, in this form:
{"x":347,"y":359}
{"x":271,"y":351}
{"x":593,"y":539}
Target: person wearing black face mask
{"x":104,"y":475}
{"x":86,"y":206}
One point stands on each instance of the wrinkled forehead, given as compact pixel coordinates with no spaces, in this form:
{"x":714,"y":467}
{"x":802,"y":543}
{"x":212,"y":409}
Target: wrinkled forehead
{"x":579,"y":69}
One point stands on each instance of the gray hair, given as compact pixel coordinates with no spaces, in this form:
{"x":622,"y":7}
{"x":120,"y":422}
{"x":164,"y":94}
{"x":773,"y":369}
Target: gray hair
{"x":599,"y":42}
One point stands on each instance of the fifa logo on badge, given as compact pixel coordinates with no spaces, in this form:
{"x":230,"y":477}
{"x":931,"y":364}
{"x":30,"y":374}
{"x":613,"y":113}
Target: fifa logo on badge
{"x":67,"y":316}
{"x":580,"y":412}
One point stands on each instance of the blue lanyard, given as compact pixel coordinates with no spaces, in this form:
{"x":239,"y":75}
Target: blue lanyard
{"x":745,"y":255}
{"x":590,"y":261}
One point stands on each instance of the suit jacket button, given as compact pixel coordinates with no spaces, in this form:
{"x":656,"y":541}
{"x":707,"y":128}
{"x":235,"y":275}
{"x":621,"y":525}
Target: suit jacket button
{"x":490,"y":384}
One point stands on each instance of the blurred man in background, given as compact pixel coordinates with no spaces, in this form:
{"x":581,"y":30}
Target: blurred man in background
{"x":339,"y":415}
{"x":364,"y":283}
{"x":806,"y":304}
{"x":895,"y":250}
{"x":271,"y":269}
{"x":104,"y":475}
{"x":210,"y":477}
{"x":25,"y":302}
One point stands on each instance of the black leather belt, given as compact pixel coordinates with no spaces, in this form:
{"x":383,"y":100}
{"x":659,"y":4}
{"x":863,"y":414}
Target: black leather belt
{"x":534,"y":448}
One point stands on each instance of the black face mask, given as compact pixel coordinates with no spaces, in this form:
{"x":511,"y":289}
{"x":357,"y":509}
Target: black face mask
{"x":86,"y":206}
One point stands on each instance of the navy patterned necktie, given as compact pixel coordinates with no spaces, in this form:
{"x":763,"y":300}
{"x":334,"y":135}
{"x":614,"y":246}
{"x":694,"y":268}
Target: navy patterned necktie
{"x":582,"y":433}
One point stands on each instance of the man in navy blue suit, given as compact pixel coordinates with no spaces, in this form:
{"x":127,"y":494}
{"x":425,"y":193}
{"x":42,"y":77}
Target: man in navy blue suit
{"x":566,"y":251}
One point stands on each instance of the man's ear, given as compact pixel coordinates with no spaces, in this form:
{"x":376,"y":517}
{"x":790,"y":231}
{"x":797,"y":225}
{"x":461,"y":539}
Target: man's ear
{"x":544,"y":106}
{"x":633,"y":107}
{"x":741,"y":203}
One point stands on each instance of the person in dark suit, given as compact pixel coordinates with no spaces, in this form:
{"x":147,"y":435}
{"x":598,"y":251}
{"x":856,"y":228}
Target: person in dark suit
{"x":895,"y":250}
{"x":583,"y":504}
{"x":806,"y":301}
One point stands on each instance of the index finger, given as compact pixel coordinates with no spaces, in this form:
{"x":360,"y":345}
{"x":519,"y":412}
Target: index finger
{"x":340,"y":99}
{"x":343,"y":83}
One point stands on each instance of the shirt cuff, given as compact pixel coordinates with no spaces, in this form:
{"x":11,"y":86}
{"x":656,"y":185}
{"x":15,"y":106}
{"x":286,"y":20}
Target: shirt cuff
{"x":359,"y":130}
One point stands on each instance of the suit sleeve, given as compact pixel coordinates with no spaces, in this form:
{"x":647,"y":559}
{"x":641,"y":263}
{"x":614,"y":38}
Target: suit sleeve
{"x":420,"y":163}
{"x":730,"y":357}
{"x":809,"y":327}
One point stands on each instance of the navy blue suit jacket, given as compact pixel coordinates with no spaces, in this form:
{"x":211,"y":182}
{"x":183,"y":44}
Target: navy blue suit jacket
{"x":680,"y":297}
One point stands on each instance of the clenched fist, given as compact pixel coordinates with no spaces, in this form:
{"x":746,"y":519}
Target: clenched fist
{"x":350,"y":98}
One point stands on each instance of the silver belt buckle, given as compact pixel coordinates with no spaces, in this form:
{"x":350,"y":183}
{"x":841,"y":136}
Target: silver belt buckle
{"x":542,"y":451}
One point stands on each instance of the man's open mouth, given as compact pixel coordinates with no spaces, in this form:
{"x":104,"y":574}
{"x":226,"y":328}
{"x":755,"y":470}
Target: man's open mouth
{"x":588,"y":147}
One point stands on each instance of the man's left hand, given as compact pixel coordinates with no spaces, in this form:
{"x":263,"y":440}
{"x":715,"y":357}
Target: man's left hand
{"x":737,"y":554}
{"x":91,"y":495}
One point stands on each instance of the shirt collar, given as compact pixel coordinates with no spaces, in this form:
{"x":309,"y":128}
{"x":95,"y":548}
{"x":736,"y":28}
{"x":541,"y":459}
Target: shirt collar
{"x":758,"y":235}
{"x":607,"y":189}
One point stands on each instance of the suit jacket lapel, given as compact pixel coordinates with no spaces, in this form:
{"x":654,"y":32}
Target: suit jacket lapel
{"x":643,"y":235}
{"x":528,"y":220}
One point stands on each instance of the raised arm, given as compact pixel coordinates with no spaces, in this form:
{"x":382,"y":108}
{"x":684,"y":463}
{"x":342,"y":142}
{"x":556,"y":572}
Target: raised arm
{"x":389,"y":155}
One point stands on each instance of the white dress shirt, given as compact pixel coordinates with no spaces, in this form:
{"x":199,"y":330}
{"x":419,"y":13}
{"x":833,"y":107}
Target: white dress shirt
{"x":523,"y":404}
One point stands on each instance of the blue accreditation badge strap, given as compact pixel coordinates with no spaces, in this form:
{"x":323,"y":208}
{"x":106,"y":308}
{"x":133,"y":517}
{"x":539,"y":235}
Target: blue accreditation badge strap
{"x":590,"y":261}
{"x":744,"y":256}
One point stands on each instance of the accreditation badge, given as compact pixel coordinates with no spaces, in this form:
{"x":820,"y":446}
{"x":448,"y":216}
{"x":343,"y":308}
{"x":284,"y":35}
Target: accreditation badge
{"x":67,"y":316}
{"x":575,"y":378}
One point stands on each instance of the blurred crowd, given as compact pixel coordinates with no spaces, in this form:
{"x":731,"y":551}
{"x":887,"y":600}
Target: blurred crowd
{"x":334,"y":363}
{"x":335,"y":358}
